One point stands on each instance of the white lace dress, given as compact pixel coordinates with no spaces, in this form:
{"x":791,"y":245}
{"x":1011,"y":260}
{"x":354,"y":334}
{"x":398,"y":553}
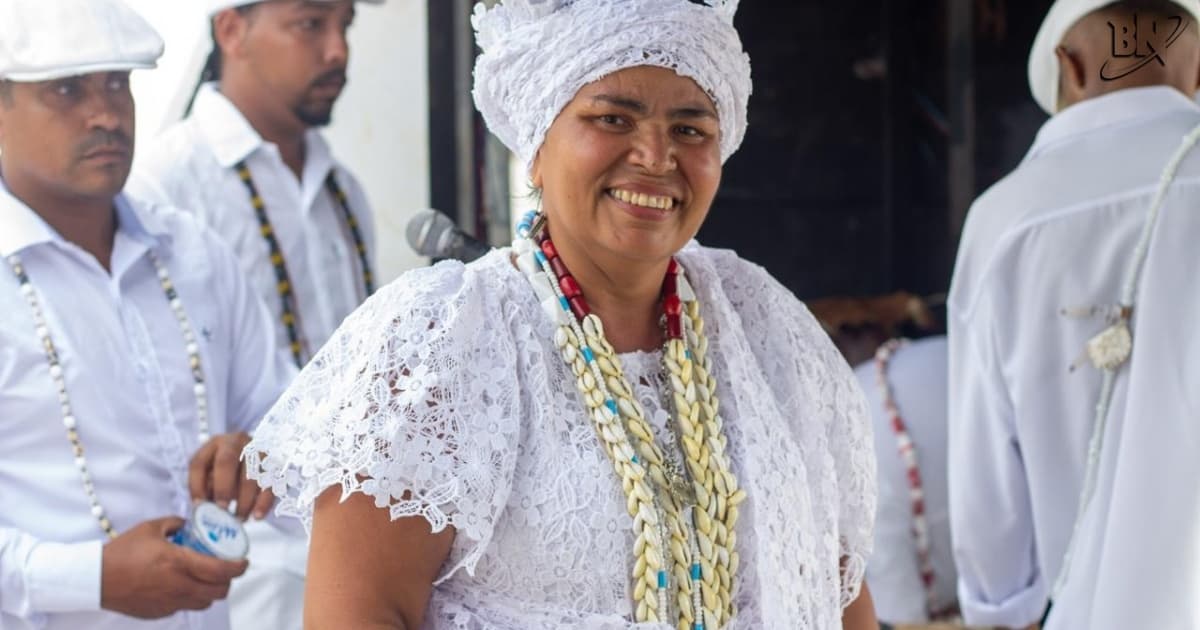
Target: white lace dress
{"x":445,"y":387}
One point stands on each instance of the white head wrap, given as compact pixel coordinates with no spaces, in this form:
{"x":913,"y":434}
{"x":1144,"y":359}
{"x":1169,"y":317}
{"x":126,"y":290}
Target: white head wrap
{"x":537,"y":54}
{"x":1043,"y":63}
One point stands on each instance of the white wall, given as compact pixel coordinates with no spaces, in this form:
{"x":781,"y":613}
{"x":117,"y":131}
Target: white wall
{"x":381,"y":124}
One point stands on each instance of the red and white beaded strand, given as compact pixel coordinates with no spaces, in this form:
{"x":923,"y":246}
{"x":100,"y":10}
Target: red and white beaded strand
{"x":908,"y":454}
{"x":42,"y":328}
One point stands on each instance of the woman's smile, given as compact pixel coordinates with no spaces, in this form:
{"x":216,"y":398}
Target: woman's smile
{"x":642,"y":200}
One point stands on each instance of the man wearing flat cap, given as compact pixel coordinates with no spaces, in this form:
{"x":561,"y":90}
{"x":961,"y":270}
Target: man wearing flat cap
{"x":250,"y":162}
{"x":1075,"y":384}
{"x":134,"y":356}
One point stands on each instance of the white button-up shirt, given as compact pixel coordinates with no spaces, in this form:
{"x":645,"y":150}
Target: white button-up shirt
{"x":192,"y":166}
{"x":1059,"y":232}
{"x":917,"y":378}
{"x":131,"y":389}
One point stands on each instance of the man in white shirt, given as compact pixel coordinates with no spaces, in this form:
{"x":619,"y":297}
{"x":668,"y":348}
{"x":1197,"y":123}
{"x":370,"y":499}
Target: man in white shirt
{"x":1047,"y":279}
{"x":134,"y":357}
{"x":250,"y":161}
{"x":307,"y":243}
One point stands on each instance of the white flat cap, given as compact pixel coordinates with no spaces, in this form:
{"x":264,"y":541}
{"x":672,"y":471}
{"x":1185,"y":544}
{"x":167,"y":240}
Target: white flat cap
{"x":216,"y":6}
{"x":41,"y":40}
{"x":1043,"y":64}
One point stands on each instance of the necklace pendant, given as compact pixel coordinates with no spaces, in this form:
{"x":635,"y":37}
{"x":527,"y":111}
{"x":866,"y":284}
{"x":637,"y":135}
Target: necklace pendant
{"x":1112,"y":347}
{"x":681,"y":489}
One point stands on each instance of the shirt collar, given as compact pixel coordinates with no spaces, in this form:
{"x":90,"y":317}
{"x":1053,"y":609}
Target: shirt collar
{"x":318,"y":162}
{"x":230,"y":135}
{"x":141,"y":222}
{"x":233,"y":139}
{"x":317,"y":153}
{"x":24,"y":228}
{"x":1107,"y":111}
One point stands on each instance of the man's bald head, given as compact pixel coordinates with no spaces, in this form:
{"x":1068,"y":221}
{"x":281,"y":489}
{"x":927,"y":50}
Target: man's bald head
{"x":1127,"y":44}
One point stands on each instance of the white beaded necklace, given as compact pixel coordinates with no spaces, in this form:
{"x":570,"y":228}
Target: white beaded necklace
{"x":683,"y":523}
{"x":1110,"y":349}
{"x":56,"y":372}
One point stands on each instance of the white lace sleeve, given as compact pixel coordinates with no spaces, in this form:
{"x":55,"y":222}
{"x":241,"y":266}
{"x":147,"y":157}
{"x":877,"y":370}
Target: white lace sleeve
{"x":412,"y":402}
{"x":809,"y":373}
{"x":852,"y":444}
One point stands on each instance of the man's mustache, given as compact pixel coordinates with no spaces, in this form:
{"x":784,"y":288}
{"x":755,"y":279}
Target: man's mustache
{"x":105,"y":139}
{"x":333,"y":77}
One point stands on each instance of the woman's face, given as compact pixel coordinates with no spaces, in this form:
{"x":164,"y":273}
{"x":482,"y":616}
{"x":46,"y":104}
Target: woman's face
{"x":630,"y":167}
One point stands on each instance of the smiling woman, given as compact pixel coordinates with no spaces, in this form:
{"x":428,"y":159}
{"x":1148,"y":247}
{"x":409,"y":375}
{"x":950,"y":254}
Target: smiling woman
{"x":614,"y":427}
{"x":628,"y":173}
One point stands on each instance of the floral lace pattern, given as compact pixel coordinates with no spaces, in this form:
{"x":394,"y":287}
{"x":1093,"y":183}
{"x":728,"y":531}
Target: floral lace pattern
{"x":443,"y":397}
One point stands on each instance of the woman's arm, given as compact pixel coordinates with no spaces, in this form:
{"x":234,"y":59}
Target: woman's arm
{"x":860,"y":614}
{"x":366,"y":571}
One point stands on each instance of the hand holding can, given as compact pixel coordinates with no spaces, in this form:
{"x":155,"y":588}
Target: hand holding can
{"x":214,"y":532}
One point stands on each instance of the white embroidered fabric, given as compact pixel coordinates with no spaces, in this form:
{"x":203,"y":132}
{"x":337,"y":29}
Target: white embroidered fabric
{"x":445,"y":389}
{"x":537,"y":54}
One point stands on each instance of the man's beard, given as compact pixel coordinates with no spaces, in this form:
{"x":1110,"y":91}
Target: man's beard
{"x":319,"y":112}
{"x":314,"y":114}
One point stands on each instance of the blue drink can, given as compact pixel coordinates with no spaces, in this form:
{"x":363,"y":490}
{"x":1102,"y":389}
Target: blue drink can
{"x":214,"y":532}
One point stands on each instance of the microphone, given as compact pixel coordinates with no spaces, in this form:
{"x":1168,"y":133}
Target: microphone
{"x":433,"y":234}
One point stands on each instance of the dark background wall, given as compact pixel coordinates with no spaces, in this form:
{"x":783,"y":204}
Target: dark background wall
{"x":873,"y":125}
{"x":843,"y":184}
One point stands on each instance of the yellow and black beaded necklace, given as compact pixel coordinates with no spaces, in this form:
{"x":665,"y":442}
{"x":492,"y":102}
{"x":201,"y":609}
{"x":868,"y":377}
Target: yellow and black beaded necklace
{"x":287,"y":295}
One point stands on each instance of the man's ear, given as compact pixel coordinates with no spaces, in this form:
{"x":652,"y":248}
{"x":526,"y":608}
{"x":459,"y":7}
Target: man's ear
{"x":1197,"y":90}
{"x":1072,"y":77}
{"x":229,"y":29}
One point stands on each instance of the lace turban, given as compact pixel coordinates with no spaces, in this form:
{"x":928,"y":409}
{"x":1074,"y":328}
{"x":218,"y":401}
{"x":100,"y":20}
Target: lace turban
{"x":537,"y":54}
